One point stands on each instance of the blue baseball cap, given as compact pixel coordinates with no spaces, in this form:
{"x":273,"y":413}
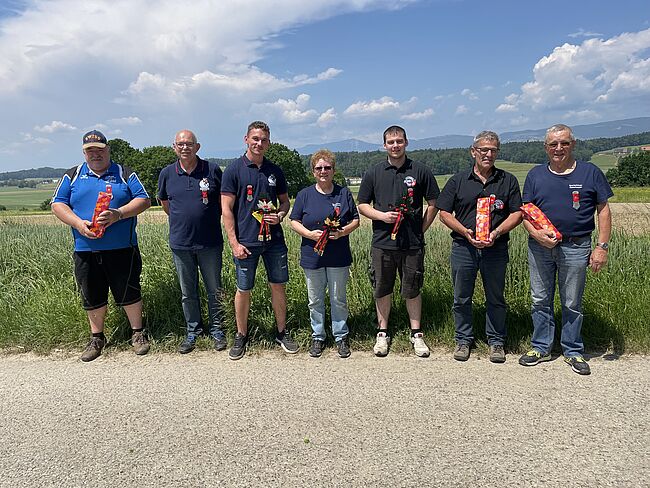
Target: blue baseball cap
{"x":94,"y":138}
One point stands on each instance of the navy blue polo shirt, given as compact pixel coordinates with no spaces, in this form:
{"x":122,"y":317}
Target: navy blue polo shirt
{"x":268,"y":182}
{"x":80,"y":194}
{"x":193,"y":224}
{"x":384,"y":185}
{"x":311,"y":208}
{"x":553,"y":194}
{"x":461,"y":192}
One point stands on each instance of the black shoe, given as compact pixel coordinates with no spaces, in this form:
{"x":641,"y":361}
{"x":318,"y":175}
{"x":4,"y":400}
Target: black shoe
{"x":238,"y":349}
{"x":344,"y":348}
{"x":578,"y":364}
{"x":533,"y":357}
{"x":286,"y":342}
{"x":316,"y":348}
{"x":220,"y":343}
{"x":187,"y":345}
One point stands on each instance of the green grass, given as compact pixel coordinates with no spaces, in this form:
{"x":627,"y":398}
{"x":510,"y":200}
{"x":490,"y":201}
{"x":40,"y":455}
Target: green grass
{"x":40,"y":309}
{"x":631,"y":194}
{"x":14,"y":198}
{"x":605,"y":161}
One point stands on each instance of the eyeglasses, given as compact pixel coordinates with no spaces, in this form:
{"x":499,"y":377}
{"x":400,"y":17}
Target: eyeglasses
{"x":485,"y":150}
{"x":184,"y":144}
{"x":562,"y":144}
{"x":323,"y":168}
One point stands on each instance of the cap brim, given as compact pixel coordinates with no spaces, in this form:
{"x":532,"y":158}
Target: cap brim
{"x":100,"y":145}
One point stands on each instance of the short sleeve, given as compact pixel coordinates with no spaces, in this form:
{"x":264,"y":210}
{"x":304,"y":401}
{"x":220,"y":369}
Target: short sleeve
{"x":229,"y":183}
{"x":447,"y":198}
{"x":62,"y":191}
{"x":136,"y":187}
{"x":366,"y":192}
{"x":297,"y":211}
{"x":162,"y":185}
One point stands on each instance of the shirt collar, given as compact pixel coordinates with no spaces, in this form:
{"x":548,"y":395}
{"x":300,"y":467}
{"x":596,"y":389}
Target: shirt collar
{"x":199,"y":167}
{"x":406,"y":165}
{"x":494,"y":176}
{"x":112,"y":169}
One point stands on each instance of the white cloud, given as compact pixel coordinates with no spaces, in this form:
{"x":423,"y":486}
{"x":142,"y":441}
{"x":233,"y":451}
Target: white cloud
{"x":382,"y":106}
{"x":461,"y":110}
{"x":466,"y":92}
{"x":328,"y":117}
{"x":290,"y":111}
{"x":125,"y":121}
{"x":55,"y":126}
{"x":597,"y":75}
{"x":583,"y":33}
{"x":581,"y":116}
{"x":418,"y":115}
{"x":29,"y":138}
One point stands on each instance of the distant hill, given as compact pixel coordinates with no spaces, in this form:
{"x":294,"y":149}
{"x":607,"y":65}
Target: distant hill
{"x":45,"y":172}
{"x":614,"y":128}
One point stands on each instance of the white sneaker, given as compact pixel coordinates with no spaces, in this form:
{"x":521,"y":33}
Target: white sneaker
{"x":381,"y":346}
{"x":419,"y":346}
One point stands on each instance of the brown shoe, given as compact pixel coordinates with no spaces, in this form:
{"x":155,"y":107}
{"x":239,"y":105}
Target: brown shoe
{"x":462,"y":352}
{"x":140,"y":343}
{"x":497,"y":354}
{"x":93,"y":349}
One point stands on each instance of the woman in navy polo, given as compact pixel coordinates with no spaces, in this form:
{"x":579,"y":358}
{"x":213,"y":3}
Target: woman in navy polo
{"x":326,"y":205}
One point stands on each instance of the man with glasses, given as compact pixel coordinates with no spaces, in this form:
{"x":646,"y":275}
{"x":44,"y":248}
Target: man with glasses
{"x":392,"y":195}
{"x":471,"y":252}
{"x":189,"y":191}
{"x":254,"y":202}
{"x":569,"y":192}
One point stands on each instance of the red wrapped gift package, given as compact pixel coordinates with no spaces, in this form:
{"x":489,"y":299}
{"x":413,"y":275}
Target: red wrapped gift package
{"x":103,"y":202}
{"x":535,"y":216}
{"x":483,"y":219}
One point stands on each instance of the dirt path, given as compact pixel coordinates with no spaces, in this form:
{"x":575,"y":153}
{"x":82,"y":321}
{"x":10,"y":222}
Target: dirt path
{"x":271,"y":420}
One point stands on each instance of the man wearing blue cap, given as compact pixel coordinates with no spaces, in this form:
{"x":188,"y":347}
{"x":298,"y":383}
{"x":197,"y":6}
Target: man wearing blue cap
{"x":106,"y":248}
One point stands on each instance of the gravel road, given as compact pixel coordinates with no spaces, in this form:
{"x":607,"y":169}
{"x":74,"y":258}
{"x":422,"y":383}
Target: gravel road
{"x":273,"y":420}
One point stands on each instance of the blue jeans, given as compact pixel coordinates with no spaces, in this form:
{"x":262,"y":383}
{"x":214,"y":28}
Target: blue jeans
{"x":336,"y":280}
{"x":188,"y":263}
{"x":569,"y":261}
{"x":275,"y":263}
{"x":466,"y":262}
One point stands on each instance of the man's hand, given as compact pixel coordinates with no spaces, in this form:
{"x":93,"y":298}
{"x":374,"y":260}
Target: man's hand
{"x":109,"y":217}
{"x":389,"y":217}
{"x":240,"y":251}
{"x":336,"y":234}
{"x":272,"y":218}
{"x":469,"y":235}
{"x":545,"y":237}
{"x":314,"y":235}
{"x":598,"y":259}
{"x":83,"y":227}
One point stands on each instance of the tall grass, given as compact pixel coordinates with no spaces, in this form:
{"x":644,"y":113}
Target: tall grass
{"x":40,"y":308}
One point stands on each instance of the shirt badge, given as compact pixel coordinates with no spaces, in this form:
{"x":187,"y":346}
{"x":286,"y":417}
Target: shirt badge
{"x":409,"y":181}
{"x":272,"y":180}
{"x":249,"y":193}
{"x":575,"y":196}
{"x":204,"y":186}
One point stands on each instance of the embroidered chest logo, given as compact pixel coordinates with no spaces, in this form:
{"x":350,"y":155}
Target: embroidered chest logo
{"x":409,"y":181}
{"x":272,"y":180}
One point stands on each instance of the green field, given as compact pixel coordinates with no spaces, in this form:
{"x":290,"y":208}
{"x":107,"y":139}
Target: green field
{"x":40,"y":310}
{"x":15,"y":198}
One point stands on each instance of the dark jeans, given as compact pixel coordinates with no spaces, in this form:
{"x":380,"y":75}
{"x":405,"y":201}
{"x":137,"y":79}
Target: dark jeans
{"x":466,"y":262}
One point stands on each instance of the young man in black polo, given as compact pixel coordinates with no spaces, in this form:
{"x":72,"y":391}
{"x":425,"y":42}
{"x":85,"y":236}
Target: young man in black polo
{"x":469,"y":253}
{"x":392,"y":194}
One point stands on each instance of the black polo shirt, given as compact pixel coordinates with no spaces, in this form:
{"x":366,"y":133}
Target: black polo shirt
{"x":268,"y":182}
{"x":193,"y":225}
{"x":384,"y":185}
{"x":461,"y":192}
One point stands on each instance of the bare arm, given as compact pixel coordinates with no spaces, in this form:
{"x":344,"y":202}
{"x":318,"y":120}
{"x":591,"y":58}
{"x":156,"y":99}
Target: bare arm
{"x":65,"y":214}
{"x":131,"y":209}
{"x":366,"y":210}
{"x":454,"y":224}
{"x":165,"y":206}
{"x":429,"y":215}
{"x":227,"y":204}
{"x":300,"y":229}
{"x":512,"y":221}
{"x":598,"y":258}
{"x":545,"y":237}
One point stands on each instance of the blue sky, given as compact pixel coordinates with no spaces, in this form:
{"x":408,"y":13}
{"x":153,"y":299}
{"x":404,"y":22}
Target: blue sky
{"x":316,"y":71}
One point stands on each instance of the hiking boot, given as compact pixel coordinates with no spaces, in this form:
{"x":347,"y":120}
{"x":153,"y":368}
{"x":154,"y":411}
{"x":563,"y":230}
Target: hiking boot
{"x":93,"y":349}
{"x":578,"y":364}
{"x":462,"y":352}
{"x":316,"y":348}
{"x":344,"y":347}
{"x":381,"y":345}
{"x":286,"y":342}
{"x":238,"y":349}
{"x":140,"y":343}
{"x":419,"y":346}
{"x":187,"y":345}
{"x":220,"y":343}
{"x":497,"y":354}
{"x":533,"y":357}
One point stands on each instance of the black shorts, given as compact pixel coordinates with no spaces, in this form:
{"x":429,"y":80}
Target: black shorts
{"x":384,"y":265}
{"x":117,"y":269}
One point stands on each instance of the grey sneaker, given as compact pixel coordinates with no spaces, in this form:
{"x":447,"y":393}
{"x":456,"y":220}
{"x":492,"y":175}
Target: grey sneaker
{"x":381,"y":345}
{"x":533,"y":357}
{"x":140,"y":343}
{"x":220,"y":343}
{"x":497,"y":354}
{"x":238,"y":348}
{"x":419,"y":346}
{"x":93,"y":349}
{"x":187,"y":345}
{"x":286,"y":342}
{"x":578,"y":364}
{"x":462,"y":352}
{"x":316,"y":348}
{"x":344,"y":347}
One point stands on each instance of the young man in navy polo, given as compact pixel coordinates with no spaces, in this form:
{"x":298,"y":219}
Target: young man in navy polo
{"x":469,"y":254}
{"x":254,"y":202}
{"x":106,"y":254}
{"x":189,"y":192}
{"x":392,"y":195}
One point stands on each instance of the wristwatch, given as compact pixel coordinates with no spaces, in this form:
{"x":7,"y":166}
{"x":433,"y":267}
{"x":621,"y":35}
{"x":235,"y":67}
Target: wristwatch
{"x":603,"y":245}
